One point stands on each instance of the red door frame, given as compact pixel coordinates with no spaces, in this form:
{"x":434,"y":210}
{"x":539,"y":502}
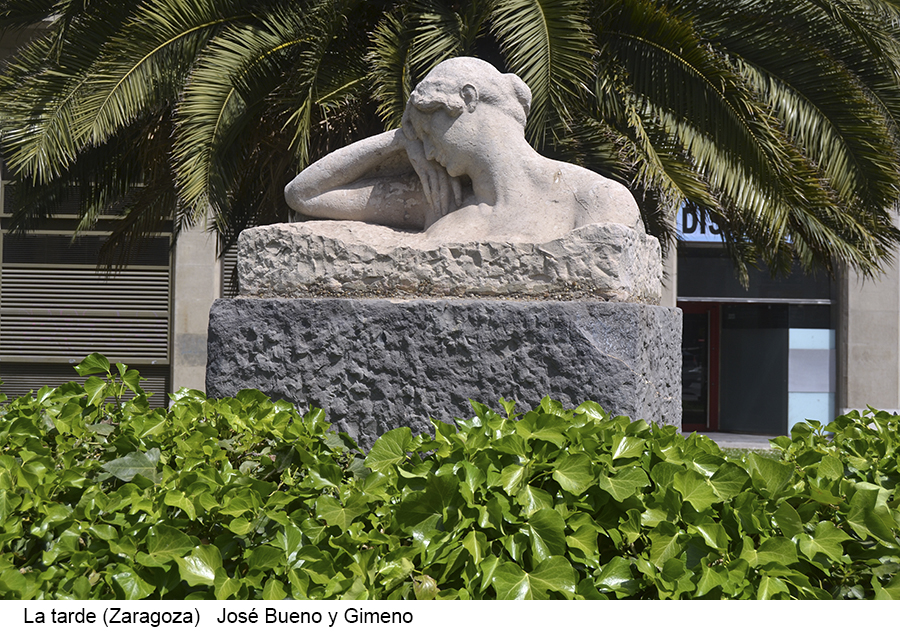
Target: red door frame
{"x":712,"y":311}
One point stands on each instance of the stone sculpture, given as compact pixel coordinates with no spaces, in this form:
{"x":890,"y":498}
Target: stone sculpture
{"x":460,"y":169}
{"x":446,"y":261}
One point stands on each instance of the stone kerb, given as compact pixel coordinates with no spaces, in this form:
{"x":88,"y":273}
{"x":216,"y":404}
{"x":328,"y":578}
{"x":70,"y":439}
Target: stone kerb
{"x":605,"y":261}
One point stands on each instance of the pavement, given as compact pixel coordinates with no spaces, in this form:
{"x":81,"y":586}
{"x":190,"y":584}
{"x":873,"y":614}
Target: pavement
{"x":737,"y":441}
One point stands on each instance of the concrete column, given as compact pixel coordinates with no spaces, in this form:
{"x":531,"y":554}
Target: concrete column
{"x":869,"y":342}
{"x":197,"y":283}
{"x":670,"y":278}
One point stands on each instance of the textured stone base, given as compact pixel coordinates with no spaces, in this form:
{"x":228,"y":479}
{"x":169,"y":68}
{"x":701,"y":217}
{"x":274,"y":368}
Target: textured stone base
{"x":374,"y":365}
{"x":605,"y":261}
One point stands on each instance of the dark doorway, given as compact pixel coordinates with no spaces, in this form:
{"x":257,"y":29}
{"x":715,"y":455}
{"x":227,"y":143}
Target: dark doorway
{"x":700,"y":367}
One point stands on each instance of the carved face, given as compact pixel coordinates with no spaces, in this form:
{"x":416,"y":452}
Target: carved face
{"x":447,"y":138}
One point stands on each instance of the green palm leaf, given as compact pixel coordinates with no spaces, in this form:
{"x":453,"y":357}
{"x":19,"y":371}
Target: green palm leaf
{"x":549,"y":45}
{"x":776,"y":119}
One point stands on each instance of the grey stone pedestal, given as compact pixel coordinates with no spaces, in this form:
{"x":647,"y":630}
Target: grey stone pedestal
{"x":375,"y":364}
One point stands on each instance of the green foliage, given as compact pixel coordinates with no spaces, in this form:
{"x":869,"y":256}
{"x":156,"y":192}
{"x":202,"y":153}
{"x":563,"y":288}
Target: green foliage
{"x":246,"y":498}
{"x":777,"y":120}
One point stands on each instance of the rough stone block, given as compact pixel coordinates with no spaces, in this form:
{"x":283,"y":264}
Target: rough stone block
{"x":377,"y":364}
{"x":606,"y":261}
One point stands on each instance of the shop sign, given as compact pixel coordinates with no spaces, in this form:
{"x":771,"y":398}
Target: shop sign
{"x":694,"y":227}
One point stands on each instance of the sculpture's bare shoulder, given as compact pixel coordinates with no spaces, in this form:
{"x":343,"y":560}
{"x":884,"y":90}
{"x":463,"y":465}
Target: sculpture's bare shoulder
{"x":599,"y":199}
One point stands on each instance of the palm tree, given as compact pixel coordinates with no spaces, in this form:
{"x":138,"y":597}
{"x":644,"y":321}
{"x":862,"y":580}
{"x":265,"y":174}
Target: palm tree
{"x":777,"y":120}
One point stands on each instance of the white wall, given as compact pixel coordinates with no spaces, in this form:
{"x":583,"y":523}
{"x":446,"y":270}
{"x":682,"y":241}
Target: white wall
{"x":869,"y":342}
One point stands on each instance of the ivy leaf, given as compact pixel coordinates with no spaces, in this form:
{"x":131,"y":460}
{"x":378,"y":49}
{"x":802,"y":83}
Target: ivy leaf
{"x":773,"y":476}
{"x":164,"y":544}
{"x":551,"y":428}
{"x":715,"y":535}
{"x":710,"y":578}
{"x":626,"y":447}
{"x":776,"y":549}
{"x":769,"y":587}
{"x":548,"y":533}
{"x":533,"y":499}
{"x":584,"y":539}
{"x":239,"y":502}
{"x":591,"y":409}
{"x":201,"y":567}
{"x":325,"y":475}
{"x":390,"y":450}
{"x":830,"y":468}
{"x":573,"y":473}
{"x":705,"y":464}
{"x":178,"y":499}
{"x":663,"y":474}
{"x":240,"y":526}
{"x":132,"y":380}
{"x":135,"y":463}
{"x":488,"y":569}
{"x":97,"y":390}
{"x":625,"y":483}
{"x":289,"y":540}
{"x":788,"y":520}
{"x":695,"y":489}
{"x":130,"y":585}
{"x":425,"y":587}
{"x":93,"y":364}
{"x":273,"y":590}
{"x":827,"y":539}
{"x":728,"y":481}
{"x":616,"y":577}
{"x":263,"y":558}
{"x":341,"y":516}
{"x":553,"y":574}
{"x":869,"y":516}
{"x":820,"y":492}
{"x":891,"y":591}
{"x":227,"y":588}
{"x":8,"y":503}
{"x":513,"y":477}
{"x":666,"y":542}
{"x":476,"y":543}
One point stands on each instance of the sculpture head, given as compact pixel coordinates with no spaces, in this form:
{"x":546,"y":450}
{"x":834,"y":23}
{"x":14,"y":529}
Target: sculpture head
{"x":448,"y":83}
{"x":456,"y":86}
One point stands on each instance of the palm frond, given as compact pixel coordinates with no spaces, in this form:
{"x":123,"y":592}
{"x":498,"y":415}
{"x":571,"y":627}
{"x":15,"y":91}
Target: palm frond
{"x":255,"y":91}
{"x":390,"y":74}
{"x":41,"y":85}
{"x":547,"y":43}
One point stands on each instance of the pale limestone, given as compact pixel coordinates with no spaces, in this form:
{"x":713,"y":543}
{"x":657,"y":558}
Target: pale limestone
{"x":329,"y":258}
{"x":460,"y":169}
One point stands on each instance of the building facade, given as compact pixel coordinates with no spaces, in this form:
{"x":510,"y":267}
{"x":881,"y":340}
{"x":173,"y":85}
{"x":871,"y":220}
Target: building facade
{"x":56,"y":306}
{"x":784,"y":349}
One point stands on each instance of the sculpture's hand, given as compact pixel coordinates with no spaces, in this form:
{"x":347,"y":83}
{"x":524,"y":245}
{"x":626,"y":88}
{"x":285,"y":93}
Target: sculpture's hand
{"x":443,"y":192}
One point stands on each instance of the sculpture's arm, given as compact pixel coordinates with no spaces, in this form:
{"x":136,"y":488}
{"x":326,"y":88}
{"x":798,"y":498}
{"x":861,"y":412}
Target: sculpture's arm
{"x":377,"y":179}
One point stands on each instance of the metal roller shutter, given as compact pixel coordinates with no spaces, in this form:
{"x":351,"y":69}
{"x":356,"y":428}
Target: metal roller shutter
{"x":54,"y":315}
{"x":229,"y":273}
{"x":56,"y":308}
{"x":19,"y":379}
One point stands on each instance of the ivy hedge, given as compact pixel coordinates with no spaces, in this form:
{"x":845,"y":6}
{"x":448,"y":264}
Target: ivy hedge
{"x":102,"y":498}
